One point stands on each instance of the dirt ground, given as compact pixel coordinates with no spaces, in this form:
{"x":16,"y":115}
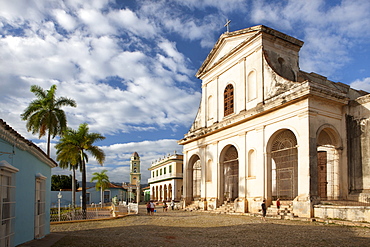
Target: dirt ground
{"x":180,"y":228}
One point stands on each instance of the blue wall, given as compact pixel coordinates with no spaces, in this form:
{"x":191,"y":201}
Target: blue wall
{"x":29,"y":166}
{"x":94,"y":196}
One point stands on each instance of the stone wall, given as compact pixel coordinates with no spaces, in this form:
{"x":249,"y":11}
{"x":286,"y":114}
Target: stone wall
{"x":352,"y":213}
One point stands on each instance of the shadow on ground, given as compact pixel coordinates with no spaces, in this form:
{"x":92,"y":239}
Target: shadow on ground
{"x":201,"y":229}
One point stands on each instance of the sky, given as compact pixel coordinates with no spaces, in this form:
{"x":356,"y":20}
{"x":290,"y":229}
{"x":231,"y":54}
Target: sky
{"x":131,"y":65}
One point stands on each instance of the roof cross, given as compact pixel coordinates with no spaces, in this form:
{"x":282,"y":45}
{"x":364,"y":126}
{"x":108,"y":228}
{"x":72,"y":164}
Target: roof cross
{"x":227,"y":25}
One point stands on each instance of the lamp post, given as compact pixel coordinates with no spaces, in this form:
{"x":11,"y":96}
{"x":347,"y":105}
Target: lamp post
{"x":129,"y":194}
{"x":137,"y":194}
{"x":59,"y":197}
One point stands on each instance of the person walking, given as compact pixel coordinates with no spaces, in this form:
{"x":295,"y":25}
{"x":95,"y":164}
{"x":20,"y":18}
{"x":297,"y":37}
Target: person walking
{"x":148,"y":208}
{"x":152,"y":206}
{"x":172,"y":204}
{"x":165,"y":206}
{"x":278,"y":205}
{"x":264,"y":210}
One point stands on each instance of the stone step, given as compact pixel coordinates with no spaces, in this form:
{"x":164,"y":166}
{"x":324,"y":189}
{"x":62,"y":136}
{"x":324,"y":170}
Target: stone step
{"x":225,"y":208}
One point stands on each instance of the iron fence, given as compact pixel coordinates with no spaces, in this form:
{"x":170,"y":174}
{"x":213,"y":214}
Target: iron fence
{"x":69,"y":214}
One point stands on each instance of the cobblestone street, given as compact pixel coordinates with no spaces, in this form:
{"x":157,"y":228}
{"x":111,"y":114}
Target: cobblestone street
{"x":179,"y":228}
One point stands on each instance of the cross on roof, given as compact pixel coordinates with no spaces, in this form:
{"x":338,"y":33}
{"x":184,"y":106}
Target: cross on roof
{"x":227,"y":25}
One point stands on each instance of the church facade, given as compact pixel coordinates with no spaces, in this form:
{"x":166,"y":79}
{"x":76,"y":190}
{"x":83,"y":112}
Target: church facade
{"x":267,"y":130}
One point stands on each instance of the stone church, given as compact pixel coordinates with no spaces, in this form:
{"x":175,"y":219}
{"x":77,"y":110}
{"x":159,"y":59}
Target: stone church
{"x":267,"y":130}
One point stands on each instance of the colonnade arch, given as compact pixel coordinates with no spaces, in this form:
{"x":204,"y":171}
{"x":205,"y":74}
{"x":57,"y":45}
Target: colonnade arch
{"x":229,"y":170}
{"x":161,"y":192}
{"x":194,"y":172}
{"x":282,"y":165}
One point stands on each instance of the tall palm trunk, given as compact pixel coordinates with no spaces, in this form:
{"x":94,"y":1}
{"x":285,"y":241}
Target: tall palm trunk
{"x":48,"y":144}
{"x":101,"y":196}
{"x":73,"y":187}
{"x":83,"y":187}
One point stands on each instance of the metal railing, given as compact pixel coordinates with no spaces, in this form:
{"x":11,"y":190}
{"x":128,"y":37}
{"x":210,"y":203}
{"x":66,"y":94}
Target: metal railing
{"x":69,"y":214}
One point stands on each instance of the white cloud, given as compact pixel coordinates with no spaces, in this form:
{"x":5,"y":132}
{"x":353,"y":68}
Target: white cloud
{"x":328,"y":31}
{"x":96,"y":21}
{"x":361,"y":84}
{"x":221,"y":5}
{"x":171,"y":19}
{"x":126,"y":19}
{"x":67,"y":21}
{"x":118,"y":159}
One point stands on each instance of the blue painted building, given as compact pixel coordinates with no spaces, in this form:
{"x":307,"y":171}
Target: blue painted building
{"x":25,"y":181}
{"x":92,"y":196}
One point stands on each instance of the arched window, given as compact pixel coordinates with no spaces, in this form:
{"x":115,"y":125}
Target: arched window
{"x":209,"y":171}
{"x":210,"y":108}
{"x":252,"y":85}
{"x":228,"y":100}
{"x":251,"y":162}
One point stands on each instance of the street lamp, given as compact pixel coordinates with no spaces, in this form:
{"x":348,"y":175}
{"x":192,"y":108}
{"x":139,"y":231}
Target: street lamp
{"x":59,"y":197}
{"x":129,"y":194}
{"x":137,"y":194}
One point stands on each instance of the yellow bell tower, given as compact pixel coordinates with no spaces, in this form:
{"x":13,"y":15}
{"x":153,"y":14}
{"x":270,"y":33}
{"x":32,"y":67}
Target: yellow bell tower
{"x":135,"y":174}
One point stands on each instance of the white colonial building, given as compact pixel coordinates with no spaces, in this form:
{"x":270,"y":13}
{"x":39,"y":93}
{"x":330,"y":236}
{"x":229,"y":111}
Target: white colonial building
{"x":266,"y":129}
{"x":166,"y":178}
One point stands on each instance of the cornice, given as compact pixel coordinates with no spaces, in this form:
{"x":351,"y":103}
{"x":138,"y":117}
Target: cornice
{"x":11,"y":136}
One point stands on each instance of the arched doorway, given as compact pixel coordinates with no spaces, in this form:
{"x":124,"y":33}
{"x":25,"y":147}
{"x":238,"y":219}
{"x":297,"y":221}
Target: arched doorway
{"x":170,"y":197}
{"x":328,"y":185}
{"x":164,"y":192}
{"x":160,"y":193}
{"x":197,"y":177}
{"x":230,"y":174}
{"x":194,"y":178}
{"x":153,"y":195}
{"x":284,"y":166}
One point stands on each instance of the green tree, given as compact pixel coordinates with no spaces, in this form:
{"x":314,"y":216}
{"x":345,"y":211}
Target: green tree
{"x":78,"y":143}
{"x":67,"y":161}
{"x":102,"y":183}
{"x":44,"y":116}
{"x":59,"y":182}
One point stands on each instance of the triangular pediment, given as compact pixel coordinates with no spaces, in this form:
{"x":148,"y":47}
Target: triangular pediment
{"x":226,"y":45}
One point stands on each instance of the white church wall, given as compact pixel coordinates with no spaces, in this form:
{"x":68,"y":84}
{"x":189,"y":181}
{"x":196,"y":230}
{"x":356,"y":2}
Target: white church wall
{"x":253,"y":63}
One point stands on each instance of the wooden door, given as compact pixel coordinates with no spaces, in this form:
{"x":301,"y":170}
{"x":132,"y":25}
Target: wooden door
{"x":322,"y":174}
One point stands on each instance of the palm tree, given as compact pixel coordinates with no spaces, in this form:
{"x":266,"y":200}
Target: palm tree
{"x":76,"y":143}
{"x":102,"y":182}
{"x":43,"y":115}
{"x":65,"y":162}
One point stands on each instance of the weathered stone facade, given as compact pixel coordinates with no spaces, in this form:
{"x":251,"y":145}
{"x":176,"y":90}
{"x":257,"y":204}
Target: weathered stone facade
{"x":266,"y":129}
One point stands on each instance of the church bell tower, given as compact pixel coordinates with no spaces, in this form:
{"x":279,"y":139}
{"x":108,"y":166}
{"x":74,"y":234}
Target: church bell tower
{"x":135,"y":174}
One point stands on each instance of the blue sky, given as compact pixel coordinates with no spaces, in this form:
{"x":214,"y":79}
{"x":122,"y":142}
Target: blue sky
{"x":130,"y":65}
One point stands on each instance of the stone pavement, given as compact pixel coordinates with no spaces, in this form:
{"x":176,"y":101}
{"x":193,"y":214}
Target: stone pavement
{"x":47,"y":241}
{"x":179,"y":228}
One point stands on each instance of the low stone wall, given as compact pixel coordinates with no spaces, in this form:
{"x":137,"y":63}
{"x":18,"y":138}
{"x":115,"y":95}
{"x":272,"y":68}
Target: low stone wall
{"x":352,"y":213}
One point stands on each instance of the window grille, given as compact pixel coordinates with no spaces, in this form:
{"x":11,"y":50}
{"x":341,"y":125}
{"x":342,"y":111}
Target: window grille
{"x":197,"y":173}
{"x":229,"y":100}
{"x":285,"y":155}
{"x":7,"y":203}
